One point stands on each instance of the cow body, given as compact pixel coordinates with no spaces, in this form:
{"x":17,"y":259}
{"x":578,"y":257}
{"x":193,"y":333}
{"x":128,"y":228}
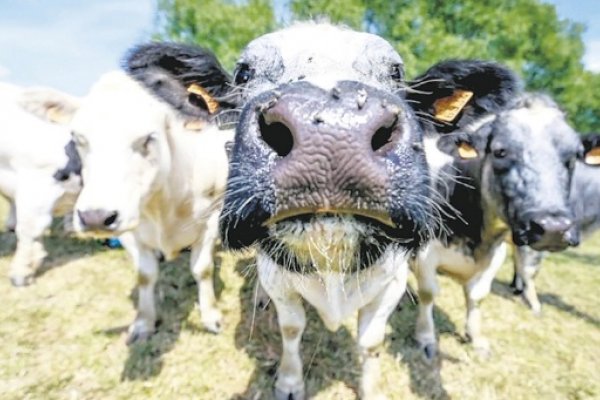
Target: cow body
{"x":585,"y":203}
{"x":518,"y":185}
{"x":39,"y":172}
{"x":153,"y":182}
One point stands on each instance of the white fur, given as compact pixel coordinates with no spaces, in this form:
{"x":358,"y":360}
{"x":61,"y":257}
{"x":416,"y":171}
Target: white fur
{"x":32,"y":149}
{"x":167,"y":199}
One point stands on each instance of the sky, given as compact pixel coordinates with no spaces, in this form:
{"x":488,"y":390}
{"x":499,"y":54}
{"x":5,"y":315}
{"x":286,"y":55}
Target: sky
{"x":68,"y":44}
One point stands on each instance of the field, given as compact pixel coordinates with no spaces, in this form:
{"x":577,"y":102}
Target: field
{"x":64,"y":337}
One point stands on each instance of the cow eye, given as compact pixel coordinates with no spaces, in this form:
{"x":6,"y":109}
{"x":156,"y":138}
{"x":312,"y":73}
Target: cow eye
{"x":570,"y":163}
{"x":243,"y":74}
{"x":500,"y":153}
{"x":142,"y":145}
{"x":397,"y":73}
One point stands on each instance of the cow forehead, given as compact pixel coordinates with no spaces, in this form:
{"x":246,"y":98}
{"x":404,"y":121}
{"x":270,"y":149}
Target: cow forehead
{"x":312,"y":50}
{"x":118,"y":109}
{"x":539,"y":124}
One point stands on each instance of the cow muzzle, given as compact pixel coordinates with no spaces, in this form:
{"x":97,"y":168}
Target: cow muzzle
{"x":550,"y":232}
{"x":98,"y":220}
{"x":331,"y":148}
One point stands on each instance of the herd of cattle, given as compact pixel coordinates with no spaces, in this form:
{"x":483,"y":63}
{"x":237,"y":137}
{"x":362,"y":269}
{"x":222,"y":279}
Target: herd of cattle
{"x":319,"y":154}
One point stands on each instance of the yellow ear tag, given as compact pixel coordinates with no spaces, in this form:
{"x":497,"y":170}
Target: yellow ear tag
{"x":447,"y":108}
{"x":210,"y":101}
{"x":55,"y":114}
{"x":592,"y":157}
{"x":466,"y":151}
{"x":194,"y":125}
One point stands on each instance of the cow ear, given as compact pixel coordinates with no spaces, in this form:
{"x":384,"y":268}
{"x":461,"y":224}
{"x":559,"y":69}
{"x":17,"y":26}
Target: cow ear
{"x":48,"y":104}
{"x":591,"y":149}
{"x":454,"y":93}
{"x":461,"y":145}
{"x":189,"y":78}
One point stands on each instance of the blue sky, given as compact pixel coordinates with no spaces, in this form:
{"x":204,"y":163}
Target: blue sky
{"x":67,"y":44}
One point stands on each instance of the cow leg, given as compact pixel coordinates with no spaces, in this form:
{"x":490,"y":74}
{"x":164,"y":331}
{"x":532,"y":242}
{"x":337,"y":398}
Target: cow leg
{"x":11,"y":218}
{"x":527,"y":263}
{"x":34,"y":216}
{"x":68,"y":226}
{"x":292,"y":321}
{"x":475,"y":289}
{"x":146,"y":265}
{"x":202,"y":265}
{"x":428,"y":288}
{"x":372,"y":320}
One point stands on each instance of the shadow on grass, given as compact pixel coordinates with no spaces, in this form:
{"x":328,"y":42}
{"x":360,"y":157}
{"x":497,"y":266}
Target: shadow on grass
{"x":504,"y":290}
{"x":61,"y":248}
{"x":425,"y":378}
{"x":574,"y":256}
{"x":176,"y":297}
{"x":327,"y":356}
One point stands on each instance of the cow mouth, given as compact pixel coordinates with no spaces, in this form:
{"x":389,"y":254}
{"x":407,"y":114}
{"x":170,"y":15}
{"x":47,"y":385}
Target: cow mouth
{"x":369,"y":217}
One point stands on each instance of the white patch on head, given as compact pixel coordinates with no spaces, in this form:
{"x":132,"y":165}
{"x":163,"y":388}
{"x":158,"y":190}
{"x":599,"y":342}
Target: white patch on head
{"x":322,"y":54}
{"x":436,"y":159}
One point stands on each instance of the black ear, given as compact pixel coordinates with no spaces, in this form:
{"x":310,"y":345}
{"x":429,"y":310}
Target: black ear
{"x":454,"y":93}
{"x":189,"y":78}
{"x":591,"y":149}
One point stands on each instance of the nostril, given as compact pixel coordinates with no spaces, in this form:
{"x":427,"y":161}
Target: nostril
{"x":382,"y":137}
{"x":108,"y":221}
{"x":276,"y":135}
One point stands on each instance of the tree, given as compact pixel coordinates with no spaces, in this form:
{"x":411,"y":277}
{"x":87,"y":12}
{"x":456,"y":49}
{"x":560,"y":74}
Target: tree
{"x":526,"y":35}
{"x":224,"y":26}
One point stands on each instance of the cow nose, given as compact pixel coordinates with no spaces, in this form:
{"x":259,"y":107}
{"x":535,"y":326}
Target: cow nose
{"x":288,"y":125}
{"x":98,"y":219}
{"x":550,"y":232}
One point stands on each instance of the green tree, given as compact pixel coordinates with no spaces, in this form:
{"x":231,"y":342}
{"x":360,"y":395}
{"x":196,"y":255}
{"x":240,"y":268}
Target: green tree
{"x":224,"y":26}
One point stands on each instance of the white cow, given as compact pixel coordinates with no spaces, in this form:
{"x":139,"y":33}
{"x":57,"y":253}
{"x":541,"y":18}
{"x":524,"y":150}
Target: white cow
{"x":152,"y":181}
{"x":39,"y":169}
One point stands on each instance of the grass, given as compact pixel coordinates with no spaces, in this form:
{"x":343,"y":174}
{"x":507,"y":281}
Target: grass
{"x":64,"y":337}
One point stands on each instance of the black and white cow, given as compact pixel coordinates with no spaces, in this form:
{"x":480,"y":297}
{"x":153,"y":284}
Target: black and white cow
{"x":328,"y":176}
{"x":585,"y":203}
{"x":510,"y":175}
{"x":39,"y":169}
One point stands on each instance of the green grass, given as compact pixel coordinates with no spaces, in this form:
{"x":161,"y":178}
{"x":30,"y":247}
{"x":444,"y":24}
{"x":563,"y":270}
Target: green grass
{"x":64,"y":337}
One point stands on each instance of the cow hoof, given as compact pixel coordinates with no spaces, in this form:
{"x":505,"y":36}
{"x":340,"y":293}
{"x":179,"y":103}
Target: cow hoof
{"x":430,"y":351}
{"x":297,"y":394}
{"x":211,"y":320}
{"x":21,"y":281}
{"x":482,"y":348}
{"x":138,"y":334}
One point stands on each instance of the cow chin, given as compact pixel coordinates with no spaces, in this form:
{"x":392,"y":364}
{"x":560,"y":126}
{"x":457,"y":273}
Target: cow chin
{"x":321,"y":243}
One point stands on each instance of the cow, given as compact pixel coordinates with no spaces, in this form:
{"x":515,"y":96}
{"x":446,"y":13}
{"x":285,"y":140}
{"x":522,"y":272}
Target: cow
{"x":154,"y":175}
{"x":585,"y":203}
{"x":508,"y":174}
{"x":328,"y":178}
{"x":39,"y":169}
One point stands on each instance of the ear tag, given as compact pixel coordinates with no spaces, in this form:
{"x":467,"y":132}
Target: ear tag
{"x":592,"y":157}
{"x":210,"y":101}
{"x":466,"y":151}
{"x":447,"y":108}
{"x":194,"y":125}
{"x":55,"y":114}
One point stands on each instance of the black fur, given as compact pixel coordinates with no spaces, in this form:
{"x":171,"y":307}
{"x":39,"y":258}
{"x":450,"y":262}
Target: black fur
{"x":167,"y":69}
{"x":494,"y":87}
{"x":590,"y":141}
{"x":73,"y":166}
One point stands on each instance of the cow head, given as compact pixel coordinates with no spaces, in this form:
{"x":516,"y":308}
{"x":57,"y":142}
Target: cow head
{"x":328,"y":165}
{"x":125,"y":137}
{"x":528,"y":154}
